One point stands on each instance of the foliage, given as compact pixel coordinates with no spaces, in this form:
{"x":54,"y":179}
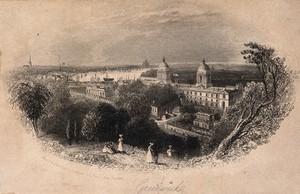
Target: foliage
{"x":56,"y":116}
{"x":132,"y":99}
{"x":161,"y":95}
{"x":100,"y":123}
{"x":136,"y":87}
{"x":264,"y":104}
{"x":188,"y":108}
{"x":187,"y":118}
{"x":192,"y":145}
{"x":140,"y":132}
{"x":136,"y":105}
{"x":185,"y":121}
{"x":31,"y":99}
{"x":150,"y":73}
{"x":122,"y":119}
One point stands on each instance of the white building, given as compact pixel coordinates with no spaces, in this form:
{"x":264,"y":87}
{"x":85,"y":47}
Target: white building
{"x":203,"y":93}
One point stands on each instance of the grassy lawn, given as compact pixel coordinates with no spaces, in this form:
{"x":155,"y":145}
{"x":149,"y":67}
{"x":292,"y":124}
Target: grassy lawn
{"x":90,"y":153}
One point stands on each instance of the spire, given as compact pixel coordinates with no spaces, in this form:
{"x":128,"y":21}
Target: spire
{"x":164,"y":59}
{"x":30,"y":62}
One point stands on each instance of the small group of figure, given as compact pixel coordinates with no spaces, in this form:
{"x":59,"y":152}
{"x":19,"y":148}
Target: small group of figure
{"x":109,"y":148}
{"x":152,"y":153}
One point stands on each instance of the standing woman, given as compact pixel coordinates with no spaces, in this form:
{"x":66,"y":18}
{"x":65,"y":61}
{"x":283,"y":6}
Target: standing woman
{"x":150,"y":154}
{"x":120,"y":146}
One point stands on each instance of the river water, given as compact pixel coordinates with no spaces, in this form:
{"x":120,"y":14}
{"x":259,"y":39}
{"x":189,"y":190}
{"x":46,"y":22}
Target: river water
{"x":116,"y":74}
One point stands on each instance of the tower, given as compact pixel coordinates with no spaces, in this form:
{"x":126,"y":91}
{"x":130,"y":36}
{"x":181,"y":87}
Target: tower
{"x":30,"y":62}
{"x":164,"y":72}
{"x":204,"y":75}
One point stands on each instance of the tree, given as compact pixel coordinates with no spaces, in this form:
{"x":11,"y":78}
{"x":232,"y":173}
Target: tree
{"x":259,"y":99}
{"x":161,"y":95}
{"x":100,"y":123}
{"x":56,"y":115}
{"x":139,"y":132}
{"x":136,"y":87}
{"x":136,"y":104}
{"x":31,"y":99}
{"x":188,"y":108}
{"x":122,"y":119}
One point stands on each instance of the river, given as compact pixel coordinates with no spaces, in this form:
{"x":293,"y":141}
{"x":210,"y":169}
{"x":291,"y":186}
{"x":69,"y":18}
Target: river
{"x":130,"y":74}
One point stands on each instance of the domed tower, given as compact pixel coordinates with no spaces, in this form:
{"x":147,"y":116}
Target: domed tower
{"x":164,"y":72}
{"x":204,"y":75}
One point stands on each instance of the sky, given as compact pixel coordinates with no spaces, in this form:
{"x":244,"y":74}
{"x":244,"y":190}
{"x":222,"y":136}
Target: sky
{"x":128,"y":32}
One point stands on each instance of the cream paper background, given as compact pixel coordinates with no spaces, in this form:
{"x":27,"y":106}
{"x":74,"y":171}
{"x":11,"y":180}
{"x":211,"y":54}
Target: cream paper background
{"x":271,"y":168}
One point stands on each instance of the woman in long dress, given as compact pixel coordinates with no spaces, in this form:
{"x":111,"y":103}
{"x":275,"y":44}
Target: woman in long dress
{"x":120,"y":146}
{"x":150,"y":154}
{"x":170,"y":151}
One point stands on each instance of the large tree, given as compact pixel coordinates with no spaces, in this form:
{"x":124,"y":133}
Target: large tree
{"x":264,"y":104}
{"x":57,"y":116}
{"x":31,"y":99}
{"x":100,"y":123}
{"x":161,"y":94}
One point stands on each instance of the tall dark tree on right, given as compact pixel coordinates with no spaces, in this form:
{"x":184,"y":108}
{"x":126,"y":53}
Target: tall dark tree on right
{"x":264,"y":104}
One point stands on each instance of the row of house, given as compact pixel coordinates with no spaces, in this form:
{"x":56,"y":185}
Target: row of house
{"x":104,"y":90}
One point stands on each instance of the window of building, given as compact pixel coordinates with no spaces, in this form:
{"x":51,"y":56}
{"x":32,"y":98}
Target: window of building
{"x":224,"y":96}
{"x":223,"y":105}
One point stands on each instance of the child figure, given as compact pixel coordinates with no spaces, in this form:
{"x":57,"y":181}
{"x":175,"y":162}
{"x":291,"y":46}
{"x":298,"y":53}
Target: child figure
{"x":170,"y":151}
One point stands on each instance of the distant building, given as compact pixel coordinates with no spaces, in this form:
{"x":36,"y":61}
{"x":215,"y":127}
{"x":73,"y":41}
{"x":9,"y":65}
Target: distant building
{"x":148,"y":80}
{"x":29,"y":62}
{"x":100,"y":92}
{"x":218,"y":85}
{"x":77,"y":90}
{"x":213,"y":96}
{"x":203,"y":76}
{"x":104,"y":89}
{"x":158,"y":111}
{"x":203,"y":124}
{"x":203,"y":93}
{"x":203,"y":121}
{"x":146,"y":63}
{"x":164,"y":72}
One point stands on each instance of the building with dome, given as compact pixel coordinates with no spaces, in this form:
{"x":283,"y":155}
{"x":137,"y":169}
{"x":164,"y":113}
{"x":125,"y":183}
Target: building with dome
{"x":203,"y":76}
{"x":205,"y":94}
{"x":164,"y":73}
{"x":214,"y":85}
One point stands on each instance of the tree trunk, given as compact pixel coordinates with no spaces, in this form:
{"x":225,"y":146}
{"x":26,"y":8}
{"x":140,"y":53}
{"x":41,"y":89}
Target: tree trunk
{"x":35,"y":127}
{"x":226,"y":143}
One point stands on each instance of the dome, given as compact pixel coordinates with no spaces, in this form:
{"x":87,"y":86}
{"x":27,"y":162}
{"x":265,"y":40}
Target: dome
{"x":164,"y":65}
{"x":203,"y":67}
